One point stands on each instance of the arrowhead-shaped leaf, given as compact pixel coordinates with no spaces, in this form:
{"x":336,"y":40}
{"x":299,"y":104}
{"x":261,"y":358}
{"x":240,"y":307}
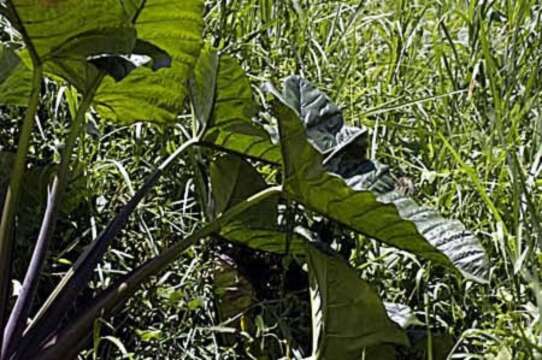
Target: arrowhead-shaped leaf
{"x":362,"y":195}
{"x":347,"y":313}
{"x":225,"y":106}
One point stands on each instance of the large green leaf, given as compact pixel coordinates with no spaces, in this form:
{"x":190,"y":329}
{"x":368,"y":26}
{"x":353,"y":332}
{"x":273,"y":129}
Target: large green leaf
{"x":15,"y":79}
{"x":175,"y":27}
{"x":225,"y":105}
{"x":347,"y":313}
{"x":233,"y":180}
{"x":84,"y":74}
{"x":65,"y":33}
{"x":363,"y":196}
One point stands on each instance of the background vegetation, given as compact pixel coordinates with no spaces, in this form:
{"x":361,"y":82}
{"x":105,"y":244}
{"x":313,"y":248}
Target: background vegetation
{"x":449,"y":89}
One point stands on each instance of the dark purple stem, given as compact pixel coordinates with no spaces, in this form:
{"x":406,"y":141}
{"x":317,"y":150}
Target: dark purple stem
{"x":21,"y":310}
{"x":77,"y":278}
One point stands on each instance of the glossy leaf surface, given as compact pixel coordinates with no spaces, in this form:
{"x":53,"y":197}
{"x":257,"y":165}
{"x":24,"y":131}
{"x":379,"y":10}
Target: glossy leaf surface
{"x":362,"y":195}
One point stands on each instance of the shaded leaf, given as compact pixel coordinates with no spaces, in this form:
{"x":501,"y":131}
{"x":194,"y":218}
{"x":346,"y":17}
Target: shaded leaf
{"x":158,"y":58}
{"x":203,"y":85}
{"x":233,"y":180}
{"x":234,"y":292}
{"x":229,"y":124}
{"x":175,"y":27}
{"x":143,"y":54}
{"x":347,"y":313}
{"x":380,"y":352}
{"x":33,"y":199}
{"x":366,"y":201}
{"x":115,"y":66}
{"x":34,"y":187}
{"x":15,"y":78}
{"x":8,"y":61}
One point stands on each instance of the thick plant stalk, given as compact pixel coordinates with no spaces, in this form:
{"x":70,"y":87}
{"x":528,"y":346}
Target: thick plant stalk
{"x":13,"y":194}
{"x":52,"y":312}
{"x":19,"y":314}
{"x":21,"y":311}
{"x":68,"y":343}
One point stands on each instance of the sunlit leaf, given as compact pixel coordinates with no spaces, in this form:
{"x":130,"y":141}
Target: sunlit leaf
{"x":363,"y":196}
{"x":65,"y":33}
{"x":175,"y":27}
{"x":72,"y":27}
{"x":348,"y":314}
{"x":322,"y":119}
{"x":227,"y":114}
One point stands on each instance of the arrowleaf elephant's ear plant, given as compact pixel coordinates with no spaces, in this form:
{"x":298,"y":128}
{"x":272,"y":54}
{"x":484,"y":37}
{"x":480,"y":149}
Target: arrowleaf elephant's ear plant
{"x":132,"y":61}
